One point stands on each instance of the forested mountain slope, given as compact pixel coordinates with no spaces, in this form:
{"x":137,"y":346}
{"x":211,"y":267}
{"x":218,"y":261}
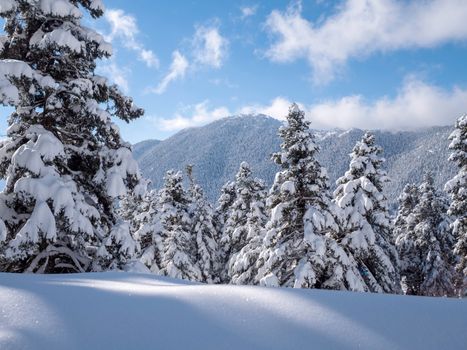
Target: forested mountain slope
{"x":217,"y":149}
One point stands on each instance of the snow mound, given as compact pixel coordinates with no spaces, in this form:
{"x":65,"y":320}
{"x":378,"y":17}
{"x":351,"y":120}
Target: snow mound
{"x":135,"y":311}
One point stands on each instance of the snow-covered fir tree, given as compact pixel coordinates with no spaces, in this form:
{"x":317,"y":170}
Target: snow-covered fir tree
{"x":64,"y":161}
{"x":364,"y":218}
{"x":404,"y":232}
{"x":299,"y":249}
{"x":203,"y":228}
{"x":457,"y":189}
{"x":426,"y":245}
{"x":243,"y":230}
{"x":135,"y":206}
{"x":179,"y":244}
{"x":147,"y":226}
{"x":225,"y":201}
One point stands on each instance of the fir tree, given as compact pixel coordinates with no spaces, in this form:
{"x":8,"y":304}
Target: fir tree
{"x":365,"y":224}
{"x":299,"y":250}
{"x":148,"y":231}
{"x":426,"y":245}
{"x":134,"y":206}
{"x":179,"y":248}
{"x":243,"y":232}
{"x":204,"y":231}
{"x":404,"y":231}
{"x":224,"y":203}
{"x":64,"y":161}
{"x":435,"y":241}
{"x":457,"y":189}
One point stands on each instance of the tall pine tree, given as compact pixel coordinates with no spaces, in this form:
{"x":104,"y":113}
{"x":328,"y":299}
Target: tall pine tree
{"x":64,"y":161}
{"x":457,"y":188}
{"x":134,"y":205}
{"x":243,"y":233}
{"x":365,"y":224}
{"x":404,"y":232}
{"x":204,"y":231}
{"x":426,"y":245}
{"x":224,"y":203}
{"x":299,"y":250}
{"x":179,"y":248}
{"x":148,"y":228}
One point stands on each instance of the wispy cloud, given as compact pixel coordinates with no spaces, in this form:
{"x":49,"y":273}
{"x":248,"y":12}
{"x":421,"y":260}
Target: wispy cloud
{"x":177,"y":70}
{"x":359,"y":28}
{"x":194,"y":115}
{"x":116,"y":74}
{"x":417,"y":104}
{"x":248,"y":11}
{"x":124,"y":27}
{"x":209,"y":46}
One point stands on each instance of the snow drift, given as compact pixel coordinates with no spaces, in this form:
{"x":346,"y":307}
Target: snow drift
{"x":135,"y":311}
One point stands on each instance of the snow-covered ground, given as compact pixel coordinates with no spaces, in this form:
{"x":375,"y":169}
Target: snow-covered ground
{"x":136,"y":311}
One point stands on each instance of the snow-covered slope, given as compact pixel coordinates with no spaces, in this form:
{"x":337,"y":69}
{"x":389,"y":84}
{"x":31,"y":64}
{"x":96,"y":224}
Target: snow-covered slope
{"x":134,"y":311}
{"x":217,"y":149}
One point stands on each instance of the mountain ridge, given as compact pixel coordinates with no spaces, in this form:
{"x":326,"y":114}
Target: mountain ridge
{"x":217,"y":149}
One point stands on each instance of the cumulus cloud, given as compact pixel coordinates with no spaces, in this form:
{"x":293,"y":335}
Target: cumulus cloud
{"x":124,"y":27}
{"x":417,"y":104}
{"x":209,"y":46}
{"x":359,"y":28}
{"x":177,"y":70}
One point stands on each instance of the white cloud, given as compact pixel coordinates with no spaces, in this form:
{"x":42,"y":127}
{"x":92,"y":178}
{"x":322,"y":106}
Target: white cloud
{"x":278,"y":108}
{"x":359,"y":28}
{"x":177,"y":70}
{"x":195,"y":115}
{"x":416,"y":105}
{"x":125,"y":28}
{"x":116,"y":74}
{"x":209,"y":46}
{"x":248,"y":11}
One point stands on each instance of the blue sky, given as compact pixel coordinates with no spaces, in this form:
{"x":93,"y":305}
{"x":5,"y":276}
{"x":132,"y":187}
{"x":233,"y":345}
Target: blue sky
{"x":355,"y":63}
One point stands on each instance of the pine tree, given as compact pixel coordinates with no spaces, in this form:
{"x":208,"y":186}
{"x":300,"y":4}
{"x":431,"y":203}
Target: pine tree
{"x":366,"y":229}
{"x":134,"y":205}
{"x":179,"y":247}
{"x":148,"y":228}
{"x":204,"y":231}
{"x":426,"y":245}
{"x":224,"y":203}
{"x":404,"y":232}
{"x":299,"y":250}
{"x":457,"y":189}
{"x":243,"y":232}
{"x":64,"y":161}
{"x":435,"y":241}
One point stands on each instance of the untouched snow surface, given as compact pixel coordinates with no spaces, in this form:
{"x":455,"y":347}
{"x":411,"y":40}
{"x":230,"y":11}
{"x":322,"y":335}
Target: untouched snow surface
{"x":136,"y":311}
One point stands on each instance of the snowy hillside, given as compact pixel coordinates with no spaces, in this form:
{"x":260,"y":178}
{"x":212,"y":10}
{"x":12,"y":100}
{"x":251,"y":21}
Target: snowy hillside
{"x":134,"y":311}
{"x":217,"y":149}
